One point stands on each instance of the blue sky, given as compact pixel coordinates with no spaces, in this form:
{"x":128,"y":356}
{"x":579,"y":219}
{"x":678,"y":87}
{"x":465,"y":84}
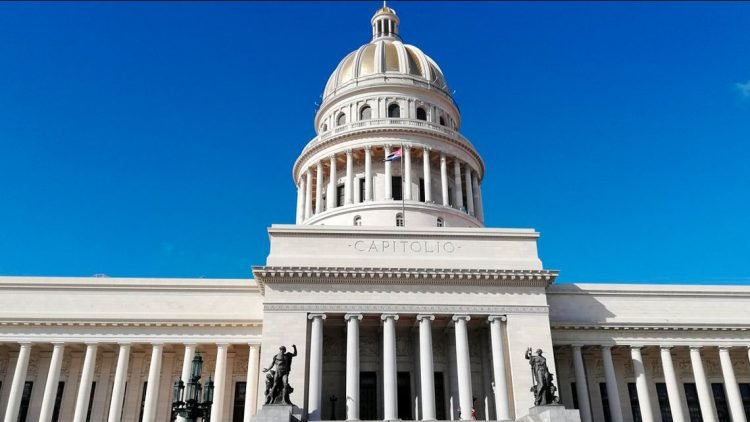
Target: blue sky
{"x":157,"y":139}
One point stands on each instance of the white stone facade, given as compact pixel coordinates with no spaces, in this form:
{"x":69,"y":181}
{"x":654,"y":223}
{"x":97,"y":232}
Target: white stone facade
{"x":400,"y":306}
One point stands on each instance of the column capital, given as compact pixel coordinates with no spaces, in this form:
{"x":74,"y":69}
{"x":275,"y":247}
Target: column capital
{"x":332,"y":156}
{"x":318,"y":315}
{"x":636,"y":347}
{"x":387,"y":146}
{"x":576,"y":346}
{"x":190,"y":344}
{"x":501,"y":318}
{"x":724,"y":347}
{"x":665,"y":347}
{"x":442,"y":156}
{"x":606,"y":347}
{"x":358,"y":316}
{"x":695,"y":347}
{"x":157,"y":344}
{"x":58,"y":343}
{"x":349,"y":151}
{"x":427,"y":148}
{"x":407,"y":147}
{"x":251,"y":345}
{"x":386,"y":316}
{"x":91,"y":343}
{"x":25,"y":343}
{"x":430,"y":317}
{"x":368,"y":147}
{"x":463,"y":317}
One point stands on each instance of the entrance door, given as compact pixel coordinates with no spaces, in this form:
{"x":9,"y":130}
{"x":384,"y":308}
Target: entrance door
{"x":368,"y":396}
{"x":440,"y":397}
{"x":403,"y":381}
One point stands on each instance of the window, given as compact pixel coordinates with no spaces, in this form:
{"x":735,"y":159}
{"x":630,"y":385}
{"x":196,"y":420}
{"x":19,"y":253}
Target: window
{"x":421,"y":114}
{"x":440,"y":396}
{"x":396,"y":188}
{"x":91,"y":401}
{"x":403,"y":393}
{"x":634,"y":405}
{"x":240,"y":389}
{"x":368,"y":396}
{"x":357,"y":220}
{"x":25,"y":400}
{"x":421,"y":190}
{"x":323,"y":127}
{"x":720,"y":399}
{"x":365,"y":113}
{"x":394,"y":111}
{"x":362,"y":190}
{"x":605,"y":401}
{"x":399,"y":220}
{"x":745,"y":394}
{"x":339,"y":195}
{"x":58,"y":401}
{"x":440,"y":222}
{"x":442,"y":121}
{"x":663,"y":396}
{"x":341,"y":120}
{"x":694,"y":407}
{"x":143,"y":401}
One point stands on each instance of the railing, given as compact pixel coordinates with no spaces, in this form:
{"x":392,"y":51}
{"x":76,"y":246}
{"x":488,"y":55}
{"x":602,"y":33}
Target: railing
{"x":370,"y":123}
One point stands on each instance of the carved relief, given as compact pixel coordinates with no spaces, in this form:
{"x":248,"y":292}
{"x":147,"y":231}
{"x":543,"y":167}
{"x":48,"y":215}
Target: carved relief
{"x":33,"y":364}
{"x":403,"y":344}
{"x":369,"y":346}
{"x":684,"y":367}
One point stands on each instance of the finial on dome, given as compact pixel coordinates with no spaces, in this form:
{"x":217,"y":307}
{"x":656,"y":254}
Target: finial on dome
{"x":385,"y":23}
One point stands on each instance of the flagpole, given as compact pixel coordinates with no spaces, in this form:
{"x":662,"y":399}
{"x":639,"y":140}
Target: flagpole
{"x":403,"y":179}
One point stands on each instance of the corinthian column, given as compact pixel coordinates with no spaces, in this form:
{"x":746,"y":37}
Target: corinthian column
{"x":308,"y":194}
{"x":352,"y":366}
{"x":387,"y":188}
{"x":331,"y":199}
{"x":390,"y":386}
{"x":84,"y":388}
{"x":53,"y":377}
{"x":349,"y":182}
{"x":220,"y":376}
{"x":19,"y":379}
{"x":319,"y":188}
{"x":613,"y":395}
{"x":469,"y":191}
{"x":736,"y":407}
{"x":427,"y":371}
{"x":251,"y":401}
{"x":705,"y":398}
{"x":407,"y":172}
{"x":463,"y":366}
{"x":458,"y":192}
{"x":673,"y":386}
{"x":368,"y":173}
{"x":314,"y":407}
{"x":502,"y":403}
{"x":427,"y":175}
{"x":641,"y":385}
{"x":582,"y":389}
{"x":444,"y":179}
{"x":152,"y":386}
{"x":118,"y":390}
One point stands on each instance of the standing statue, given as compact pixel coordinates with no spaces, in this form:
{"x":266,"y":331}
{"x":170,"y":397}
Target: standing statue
{"x":277,"y":382}
{"x":544,"y":388}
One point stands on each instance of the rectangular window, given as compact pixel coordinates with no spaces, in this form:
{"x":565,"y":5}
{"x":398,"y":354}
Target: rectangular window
{"x":91,"y":401}
{"x":745,"y":394}
{"x":634,"y":405}
{"x":440,"y":396}
{"x":23,"y":411}
{"x":240,"y":389}
{"x":694,"y":407}
{"x":720,"y":399}
{"x":368,"y":396}
{"x":403,"y":387}
{"x":396,"y":188}
{"x":421,"y":190}
{"x":450,"y":197}
{"x":361,"y":189}
{"x":143,"y":401}
{"x":663,"y":396}
{"x":605,"y":401}
{"x":574,"y":393}
{"x":463,"y":193}
{"x":339,"y":195}
{"x":58,"y":401}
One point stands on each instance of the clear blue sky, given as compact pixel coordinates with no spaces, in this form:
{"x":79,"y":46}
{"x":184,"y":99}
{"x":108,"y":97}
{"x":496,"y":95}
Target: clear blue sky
{"x":157,"y":139}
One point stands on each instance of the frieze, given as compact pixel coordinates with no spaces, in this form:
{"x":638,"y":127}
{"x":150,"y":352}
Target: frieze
{"x":399,"y":247}
{"x":405,"y":309}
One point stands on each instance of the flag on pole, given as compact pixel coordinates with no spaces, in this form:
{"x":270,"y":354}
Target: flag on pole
{"x":395,"y":155}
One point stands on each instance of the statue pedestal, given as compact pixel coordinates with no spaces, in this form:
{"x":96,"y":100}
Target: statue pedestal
{"x":276,"y":413}
{"x":553,"y":413}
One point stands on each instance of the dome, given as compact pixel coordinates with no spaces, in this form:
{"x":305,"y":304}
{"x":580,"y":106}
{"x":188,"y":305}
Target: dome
{"x":386,"y":56}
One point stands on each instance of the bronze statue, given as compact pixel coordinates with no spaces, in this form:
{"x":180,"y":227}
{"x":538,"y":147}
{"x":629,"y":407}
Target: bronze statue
{"x":277,"y":382}
{"x":544,"y":388}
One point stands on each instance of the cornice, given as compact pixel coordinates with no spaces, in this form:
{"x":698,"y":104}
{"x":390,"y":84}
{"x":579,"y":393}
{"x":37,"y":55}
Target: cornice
{"x":127,"y":323}
{"x":402,"y":276}
{"x":403,"y":309}
{"x":647,"y":327}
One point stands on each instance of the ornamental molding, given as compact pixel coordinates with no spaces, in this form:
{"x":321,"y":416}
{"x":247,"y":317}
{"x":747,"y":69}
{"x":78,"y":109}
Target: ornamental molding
{"x":645,"y":327}
{"x":402,"y":276}
{"x":129,"y":323}
{"x":403,"y":309}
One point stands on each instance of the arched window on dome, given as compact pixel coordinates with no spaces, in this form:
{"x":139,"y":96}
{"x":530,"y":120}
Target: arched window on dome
{"x":442,"y":121}
{"x":394,"y":111}
{"x":440,"y":222}
{"x":324,"y":127}
{"x":399,"y":220}
{"x":341,"y":120}
{"x":365,"y":113}
{"x":357,"y":220}
{"x":421,"y":114}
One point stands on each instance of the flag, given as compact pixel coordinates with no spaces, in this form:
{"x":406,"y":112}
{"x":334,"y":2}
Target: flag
{"x":395,"y":155}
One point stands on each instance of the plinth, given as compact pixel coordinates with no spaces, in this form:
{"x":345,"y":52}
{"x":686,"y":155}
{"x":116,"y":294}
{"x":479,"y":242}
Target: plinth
{"x":552,"y":413}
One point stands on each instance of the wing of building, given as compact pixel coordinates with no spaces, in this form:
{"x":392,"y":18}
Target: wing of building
{"x":399,"y":302}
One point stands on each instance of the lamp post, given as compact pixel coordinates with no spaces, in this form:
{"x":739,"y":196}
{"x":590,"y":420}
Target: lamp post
{"x":187,"y":398}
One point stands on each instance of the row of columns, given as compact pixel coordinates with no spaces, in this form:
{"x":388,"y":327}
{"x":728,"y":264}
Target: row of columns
{"x":153,"y":386}
{"x":427,"y":381}
{"x":705,"y":396}
{"x":305,"y":208}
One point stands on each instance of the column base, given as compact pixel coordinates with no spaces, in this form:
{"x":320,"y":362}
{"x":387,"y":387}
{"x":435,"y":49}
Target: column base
{"x":554,"y":413}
